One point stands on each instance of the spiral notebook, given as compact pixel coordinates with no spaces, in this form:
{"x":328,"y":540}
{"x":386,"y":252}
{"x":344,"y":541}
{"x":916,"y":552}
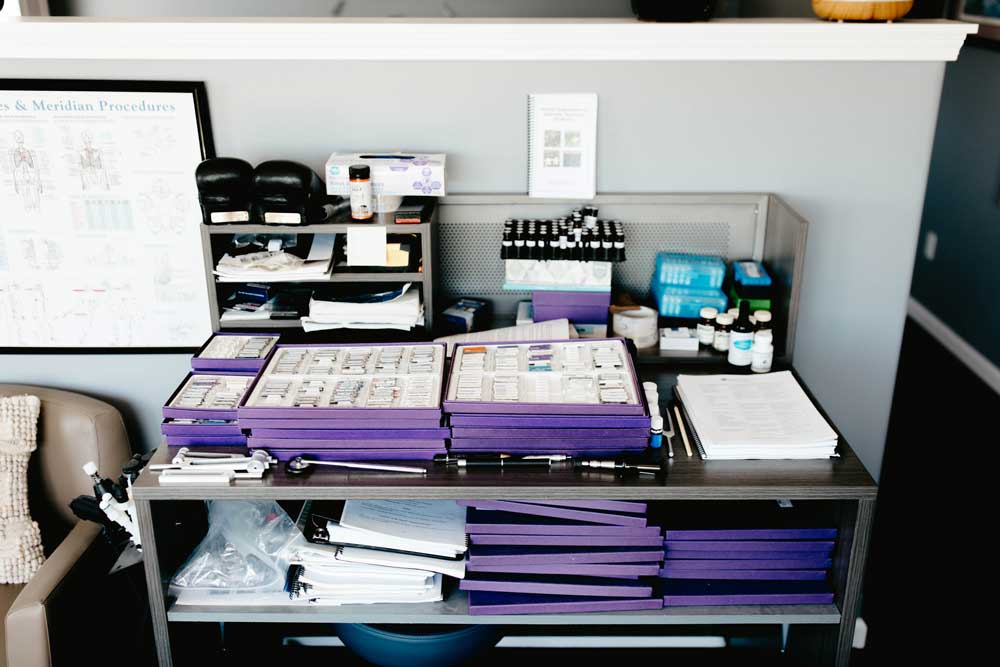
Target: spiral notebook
{"x":562,"y":145}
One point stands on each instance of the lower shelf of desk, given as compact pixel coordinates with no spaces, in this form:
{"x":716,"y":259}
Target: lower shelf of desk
{"x":455,"y":610}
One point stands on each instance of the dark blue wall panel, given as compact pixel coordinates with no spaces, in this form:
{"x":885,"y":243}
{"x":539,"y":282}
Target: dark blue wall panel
{"x":962,"y":284}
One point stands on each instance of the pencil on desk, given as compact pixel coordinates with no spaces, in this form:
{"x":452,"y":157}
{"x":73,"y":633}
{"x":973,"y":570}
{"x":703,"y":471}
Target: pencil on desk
{"x":684,"y":435}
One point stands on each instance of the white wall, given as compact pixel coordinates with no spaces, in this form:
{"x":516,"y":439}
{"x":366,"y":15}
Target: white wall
{"x":847,"y":144}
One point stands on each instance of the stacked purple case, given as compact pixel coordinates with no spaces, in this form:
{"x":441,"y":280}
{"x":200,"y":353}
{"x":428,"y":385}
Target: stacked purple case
{"x":593,"y":428}
{"x":188,"y":425}
{"x":747,"y":566}
{"x":250,"y":366}
{"x":542,"y":556}
{"x":347,"y":433}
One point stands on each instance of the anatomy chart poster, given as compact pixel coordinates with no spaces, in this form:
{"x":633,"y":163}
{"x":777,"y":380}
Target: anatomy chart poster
{"x":99,"y":220}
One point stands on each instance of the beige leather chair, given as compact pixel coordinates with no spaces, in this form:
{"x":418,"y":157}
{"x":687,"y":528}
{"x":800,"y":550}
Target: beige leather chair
{"x":73,"y":429}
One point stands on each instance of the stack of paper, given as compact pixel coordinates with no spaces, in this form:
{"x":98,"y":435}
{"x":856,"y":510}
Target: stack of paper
{"x":402,"y":534}
{"x":400,"y":309}
{"x":278,"y":266}
{"x":754,"y":417}
{"x":322,"y":575}
{"x":551,"y":330}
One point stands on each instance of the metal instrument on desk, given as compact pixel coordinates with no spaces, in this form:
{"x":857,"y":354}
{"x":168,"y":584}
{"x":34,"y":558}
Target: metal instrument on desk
{"x":300,"y":465}
{"x":621,"y":466}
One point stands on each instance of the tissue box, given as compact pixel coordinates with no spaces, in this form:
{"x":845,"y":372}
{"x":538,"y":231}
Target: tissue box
{"x":393,"y":174}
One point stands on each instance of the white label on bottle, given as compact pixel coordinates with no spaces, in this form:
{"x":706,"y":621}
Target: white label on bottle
{"x":721,"y":342}
{"x":230,"y":216}
{"x":361,"y":200}
{"x":762,"y":361}
{"x":739,"y":348}
{"x":706,"y":334}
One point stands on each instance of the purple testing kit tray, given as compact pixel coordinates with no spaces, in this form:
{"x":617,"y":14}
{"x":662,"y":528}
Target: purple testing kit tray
{"x":552,"y":445}
{"x":556,"y":512}
{"x":487,"y":522}
{"x":608,"y":570}
{"x":456,"y":406}
{"x":754,"y":534}
{"x":474,"y":432}
{"x":483,"y":603}
{"x":744,"y":575}
{"x":679,"y":546}
{"x":519,"y":555}
{"x":555,"y":585}
{"x":247,"y":410}
{"x":202,"y":363}
{"x":310,"y":436}
{"x":626,"y":506}
{"x":206,"y":440}
{"x":223,"y":427}
{"x":575,"y":422}
{"x":682,"y":593}
{"x":566,"y":540}
{"x":338,"y":424}
{"x":816,"y":563}
{"x":171,"y":411}
{"x":355,"y":454}
{"x":374,"y":444}
{"x":743,"y":555}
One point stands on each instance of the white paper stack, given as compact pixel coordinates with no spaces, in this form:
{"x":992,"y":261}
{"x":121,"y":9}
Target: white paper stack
{"x":278,"y":266}
{"x":403,"y":312}
{"x":550,"y":330}
{"x":325,"y":577}
{"x":754,"y":417}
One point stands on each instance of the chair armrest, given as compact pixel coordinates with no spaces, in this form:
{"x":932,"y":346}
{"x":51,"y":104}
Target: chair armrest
{"x":28,"y":618}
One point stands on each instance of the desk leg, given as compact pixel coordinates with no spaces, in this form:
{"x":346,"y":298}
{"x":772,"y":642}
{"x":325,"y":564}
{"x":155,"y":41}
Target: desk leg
{"x":851,"y":596}
{"x":151,"y":563}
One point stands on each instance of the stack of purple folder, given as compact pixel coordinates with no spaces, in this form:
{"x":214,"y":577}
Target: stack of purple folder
{"x":747,"y":566}
{"x":539,"y":557}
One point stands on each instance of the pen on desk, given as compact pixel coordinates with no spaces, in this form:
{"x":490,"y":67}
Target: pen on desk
{"x":670,"y":431}
{"x":453,"y":459}
{"x":620,"y":466}
{"x":684,"y":435}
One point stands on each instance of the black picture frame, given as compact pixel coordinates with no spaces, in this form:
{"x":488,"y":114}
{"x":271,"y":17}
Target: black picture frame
{"x":199,"y":95}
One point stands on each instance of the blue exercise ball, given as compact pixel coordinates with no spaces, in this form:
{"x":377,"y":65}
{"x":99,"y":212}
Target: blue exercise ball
{"x":416,"y":645}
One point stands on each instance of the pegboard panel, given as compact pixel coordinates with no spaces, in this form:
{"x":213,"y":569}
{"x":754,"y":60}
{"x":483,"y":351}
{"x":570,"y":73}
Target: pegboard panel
{"x":470,"y":229}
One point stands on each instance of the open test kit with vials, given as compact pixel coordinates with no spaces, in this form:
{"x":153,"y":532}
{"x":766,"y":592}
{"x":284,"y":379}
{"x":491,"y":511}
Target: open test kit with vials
{"x":232,"y":352}
{"x":350,"y":381}
{"x":208,"y":396}
{"x":584,"y":377}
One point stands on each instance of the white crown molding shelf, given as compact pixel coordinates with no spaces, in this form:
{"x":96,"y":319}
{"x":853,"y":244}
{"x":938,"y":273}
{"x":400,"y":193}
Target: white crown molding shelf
{"x":479,"y":40}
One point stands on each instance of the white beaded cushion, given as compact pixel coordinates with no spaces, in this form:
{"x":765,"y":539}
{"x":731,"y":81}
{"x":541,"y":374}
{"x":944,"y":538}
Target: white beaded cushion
{"x":20,"y":541}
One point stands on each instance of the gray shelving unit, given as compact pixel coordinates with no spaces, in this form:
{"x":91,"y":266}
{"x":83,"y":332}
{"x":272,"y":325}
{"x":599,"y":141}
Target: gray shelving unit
{"x":759,"y":226}
{"x":428,"y":232}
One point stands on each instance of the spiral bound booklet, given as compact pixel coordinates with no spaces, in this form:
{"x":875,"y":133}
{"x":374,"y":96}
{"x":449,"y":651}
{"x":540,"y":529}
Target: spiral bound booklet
{"x":562,"y":146}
